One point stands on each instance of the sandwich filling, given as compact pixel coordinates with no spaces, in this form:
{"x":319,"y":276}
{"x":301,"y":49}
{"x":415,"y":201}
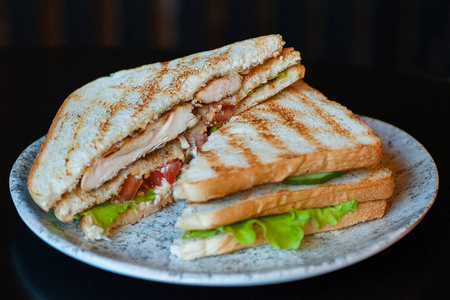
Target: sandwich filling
{"x":284,"y":231}
{"x":219,"y":88}
{"x":134,"y":191}
{"x":157,"y":134}
{"x":223,"y":94}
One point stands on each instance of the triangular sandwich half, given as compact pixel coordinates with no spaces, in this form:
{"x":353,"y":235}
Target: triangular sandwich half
{"x":111,"y":134}
{"x":293,"y":165}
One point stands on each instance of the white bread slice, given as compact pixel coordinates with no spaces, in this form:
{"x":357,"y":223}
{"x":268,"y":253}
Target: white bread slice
{"x":276,"y":198}
{"x":129,"y":217}
{"x":295,"y":132}
{"x":101,"y":113}
{"x":79,"y":201}
{"x":225,"y":243}
{"x":271,"y":88}
{"x":269,"y":69}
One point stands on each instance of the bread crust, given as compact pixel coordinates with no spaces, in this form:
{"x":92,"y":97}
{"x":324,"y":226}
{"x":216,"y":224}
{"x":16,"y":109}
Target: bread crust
{"x":261,"y":74}
{"x":239,"y":179}
{"x":364,"y":185}
{"x":225,"y":243}
{"x":267,"y":90}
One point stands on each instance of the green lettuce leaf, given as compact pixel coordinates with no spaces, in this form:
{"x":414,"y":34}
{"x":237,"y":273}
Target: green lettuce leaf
{"x":282,"y":74}
{"x":283,"y":231}
{"x":104,"y":214}
{"x":213,"y":128}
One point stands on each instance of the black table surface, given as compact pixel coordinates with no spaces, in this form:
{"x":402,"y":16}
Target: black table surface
{"x":33,"y":84}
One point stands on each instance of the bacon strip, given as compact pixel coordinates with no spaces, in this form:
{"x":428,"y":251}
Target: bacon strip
{"x":224,"y":114}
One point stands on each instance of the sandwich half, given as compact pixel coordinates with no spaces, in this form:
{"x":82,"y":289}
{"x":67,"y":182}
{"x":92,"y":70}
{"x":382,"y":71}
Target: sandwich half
{"x":282,"y":214}
{"x":119,"y":130}
{"x":298,"y":131}
{"x":293,"y":165}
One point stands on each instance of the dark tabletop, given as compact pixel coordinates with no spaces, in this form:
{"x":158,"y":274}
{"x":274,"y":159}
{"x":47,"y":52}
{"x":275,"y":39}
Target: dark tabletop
{"x":33,"y":84}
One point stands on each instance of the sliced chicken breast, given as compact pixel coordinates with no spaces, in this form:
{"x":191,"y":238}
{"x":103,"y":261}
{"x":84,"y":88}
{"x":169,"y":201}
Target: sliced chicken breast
{"x":219,"y":88}
{"x":165,"y":129}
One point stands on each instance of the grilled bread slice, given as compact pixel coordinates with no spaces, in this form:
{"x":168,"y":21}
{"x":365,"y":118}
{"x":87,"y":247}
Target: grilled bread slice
{"x":295,"y":132}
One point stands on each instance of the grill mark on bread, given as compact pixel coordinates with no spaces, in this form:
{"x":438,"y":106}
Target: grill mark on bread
{"x":239,"y":144}
{"x":263,"y":129}
{"x":286,"y":118}
{"x":221,"y":57}
{"x":77,"y":124}
{"x":113,"y":109}
{"x":330,"y":119}
{"x":151,"y":86}
{"x":164,"y":64}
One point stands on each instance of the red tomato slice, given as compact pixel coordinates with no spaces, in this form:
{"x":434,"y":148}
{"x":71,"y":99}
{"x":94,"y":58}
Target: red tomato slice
{"x":168,"y":172}
{"x":171,"y":170}
{"x":129,"y":189}
{"x":223,"y":115}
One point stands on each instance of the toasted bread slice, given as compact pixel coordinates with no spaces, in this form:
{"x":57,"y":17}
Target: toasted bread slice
{"x":295,"y":132}
{"x":277,"y":198}
{"x":226,"y":243}
{"x":271,"y":88}
{"x":270,"y":69}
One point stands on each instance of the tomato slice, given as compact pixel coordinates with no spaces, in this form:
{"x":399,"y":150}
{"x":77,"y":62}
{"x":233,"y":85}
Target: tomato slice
{"x":223,"y":115}
{"x":132,"y":184}
{"x":168,"y":172}
{"x":171,"y":170}
{"x":129,"y":189}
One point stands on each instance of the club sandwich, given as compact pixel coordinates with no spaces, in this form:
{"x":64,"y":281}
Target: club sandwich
{"x":293,"y":165}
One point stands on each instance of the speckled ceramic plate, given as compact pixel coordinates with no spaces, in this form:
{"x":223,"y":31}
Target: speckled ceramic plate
{"x":142,"y":250}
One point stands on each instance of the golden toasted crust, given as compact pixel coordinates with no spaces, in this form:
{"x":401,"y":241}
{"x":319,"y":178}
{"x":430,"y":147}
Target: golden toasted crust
{"x":257,"y":174}
{"x":267,"y":90}
{"x":270,"y":69}
{"x":226,"y":243}
{"x":272,"y":199}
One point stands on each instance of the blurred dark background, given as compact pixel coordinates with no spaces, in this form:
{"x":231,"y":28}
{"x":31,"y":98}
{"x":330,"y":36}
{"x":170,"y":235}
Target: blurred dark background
{"x":406,"y":36}
{"x":387,"y":59}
